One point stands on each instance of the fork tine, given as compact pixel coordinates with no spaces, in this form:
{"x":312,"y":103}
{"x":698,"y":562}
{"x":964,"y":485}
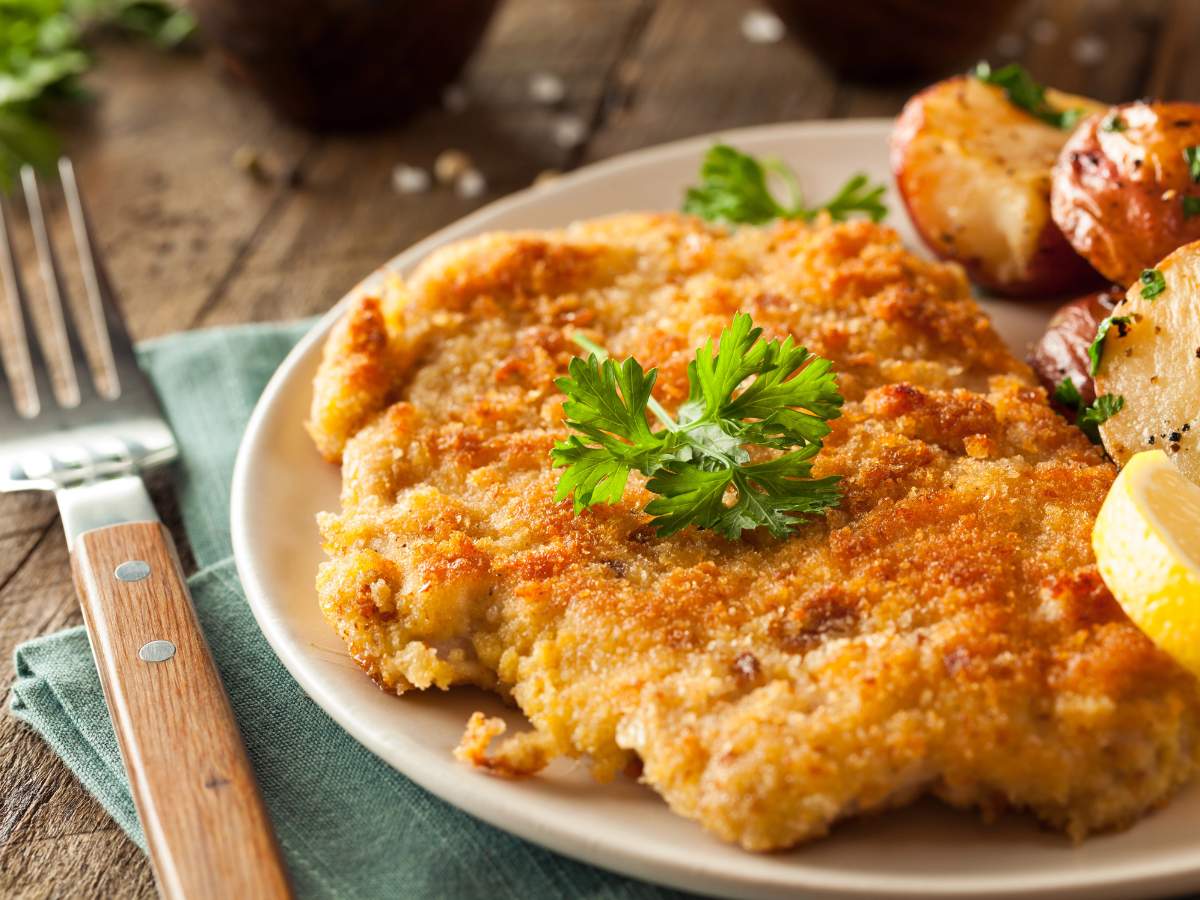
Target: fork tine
{"x":26,"y":344}
{"x":62,"y":322}
{"x":116,"y":346}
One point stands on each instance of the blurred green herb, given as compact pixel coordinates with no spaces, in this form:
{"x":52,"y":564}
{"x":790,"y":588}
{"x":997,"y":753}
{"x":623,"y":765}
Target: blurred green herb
{"x":1153,"y":283}
{"x":733,"y":188}
{"x":42,"y":55}
{"x":1067,"y":394}
{"x":1022,"y":91}
{"x":1191,"y":207}
{"x":1095,"y":350}
{"x":1113,"y":123}
{"x":1192,"y":156}
{"x":1088,"y":418}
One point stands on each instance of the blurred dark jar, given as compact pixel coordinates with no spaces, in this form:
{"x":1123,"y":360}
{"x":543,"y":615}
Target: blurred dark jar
{"x":346,"y":63}
{"x":875,"y":40}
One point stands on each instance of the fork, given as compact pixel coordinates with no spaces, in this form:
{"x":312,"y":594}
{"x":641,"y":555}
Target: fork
{"x":206,"y":828}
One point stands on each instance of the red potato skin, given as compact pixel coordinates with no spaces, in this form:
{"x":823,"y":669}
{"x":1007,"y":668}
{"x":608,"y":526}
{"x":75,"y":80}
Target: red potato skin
{"x":1062,"y":351}
{"x":1118,"y":195}
{"x":1054,"y":268}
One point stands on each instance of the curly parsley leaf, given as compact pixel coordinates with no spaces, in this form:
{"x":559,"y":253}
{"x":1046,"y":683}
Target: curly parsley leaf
{"x":1152,"y":282}
{"x":1024,"y":92}
{"x":776,"y":494}
{"x":1095,"y":350}
{"x":734,"y":187}
{"x":1088,"y":418}
{"x":858,"y":195}
{"x":1192,"y":156}
{"x":744,"y":392}
{"x":1113,"y":122}
{"x":1191,"y":205}
{"x":1068,"y":395}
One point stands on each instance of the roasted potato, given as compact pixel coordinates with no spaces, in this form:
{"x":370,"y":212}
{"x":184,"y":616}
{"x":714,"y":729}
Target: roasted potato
{"x":1123,"y":191}
{"x":1062,"y":351}
{"x":974,"y":171}
{"x":1152,"y":359}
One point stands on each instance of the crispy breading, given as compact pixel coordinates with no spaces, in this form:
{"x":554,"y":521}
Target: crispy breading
{"x":943,"y":631}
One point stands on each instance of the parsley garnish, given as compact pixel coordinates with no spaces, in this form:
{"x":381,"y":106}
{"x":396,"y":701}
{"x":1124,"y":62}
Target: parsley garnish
{"x":1096,"y":348}
{"x":1067,"y":394}
{"x":1092,"y":417}
{"x":1113,"y":123}
{"x":1191,"y":207}
{"x":1192,"y":155}
{"x":1022,"y":91}
{"x":1153,"y":283}
{"x":733,"y":188}
{"x":698,"y":461}
{"x":1088,"y":418}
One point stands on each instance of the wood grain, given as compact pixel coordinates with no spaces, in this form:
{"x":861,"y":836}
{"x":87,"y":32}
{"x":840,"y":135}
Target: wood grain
{"x":206,"y":828}
{"x":192,"y":240}
{"x":345,"y":218}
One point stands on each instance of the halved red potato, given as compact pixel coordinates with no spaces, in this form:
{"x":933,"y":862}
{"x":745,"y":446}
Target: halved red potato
{"x":1152,"y":360}
{"x":1062,"y":351}
{"x":1120,"y":184}
{"x":974,"y":171}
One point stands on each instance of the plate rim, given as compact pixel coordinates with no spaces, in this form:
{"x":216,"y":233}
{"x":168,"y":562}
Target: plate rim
{"x":1157,"y":877}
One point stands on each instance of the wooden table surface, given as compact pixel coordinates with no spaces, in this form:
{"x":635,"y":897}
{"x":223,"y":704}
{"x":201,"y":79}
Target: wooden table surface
{"x":192,"y":240}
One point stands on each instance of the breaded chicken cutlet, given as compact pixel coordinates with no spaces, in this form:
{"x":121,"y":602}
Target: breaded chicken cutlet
{"x":943,"y":631}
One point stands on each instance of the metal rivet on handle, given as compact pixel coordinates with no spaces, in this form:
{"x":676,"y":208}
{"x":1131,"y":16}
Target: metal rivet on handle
{"x":132,"y":570}
{"x":156,"y":651}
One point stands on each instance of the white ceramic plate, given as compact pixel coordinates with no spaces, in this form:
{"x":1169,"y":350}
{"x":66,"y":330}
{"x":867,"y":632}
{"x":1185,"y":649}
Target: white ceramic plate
{"x":920,"y":851}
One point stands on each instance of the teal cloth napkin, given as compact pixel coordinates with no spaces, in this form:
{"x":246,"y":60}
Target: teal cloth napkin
{"x":350,"y":825}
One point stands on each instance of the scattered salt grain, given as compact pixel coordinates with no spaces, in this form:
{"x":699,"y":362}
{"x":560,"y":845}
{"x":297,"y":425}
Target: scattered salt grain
{"x":1089,"y":50}
{"x":471,"y":184}
{"x":450,"y":165}
{"x":410,"y":179}
{"x":569,"y":131}
{"x":1009,"y":44}
{"x":547,"y":88}
{"x":1044,"y":31}
{"x":762,"y":27}
{"x":455,"y":98}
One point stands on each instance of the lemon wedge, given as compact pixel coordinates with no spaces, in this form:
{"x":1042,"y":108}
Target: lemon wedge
{"x":1147,"y":543}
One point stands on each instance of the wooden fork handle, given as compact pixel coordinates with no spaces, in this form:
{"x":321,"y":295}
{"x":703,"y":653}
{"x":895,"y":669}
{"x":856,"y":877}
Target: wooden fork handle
{"x":206,"y":827}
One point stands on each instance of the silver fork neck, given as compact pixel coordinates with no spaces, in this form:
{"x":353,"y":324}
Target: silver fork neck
{"x":115,"y":501}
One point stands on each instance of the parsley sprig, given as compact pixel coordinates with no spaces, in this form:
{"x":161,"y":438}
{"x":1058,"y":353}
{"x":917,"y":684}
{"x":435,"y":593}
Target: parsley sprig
{"x":745,"y":392}
{"x":734,"y":187}
{"x":1089,"y":417}
{"x":1023,"y":91}
{"x":1191,"y":156}
{"x":1095,"y":349}
{"x":1191,"y":205}
{"x":1153,"y":283}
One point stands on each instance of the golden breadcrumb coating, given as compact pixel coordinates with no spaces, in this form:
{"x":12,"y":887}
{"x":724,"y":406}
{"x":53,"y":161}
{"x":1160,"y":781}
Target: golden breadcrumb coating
{"x":943,"y":631}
